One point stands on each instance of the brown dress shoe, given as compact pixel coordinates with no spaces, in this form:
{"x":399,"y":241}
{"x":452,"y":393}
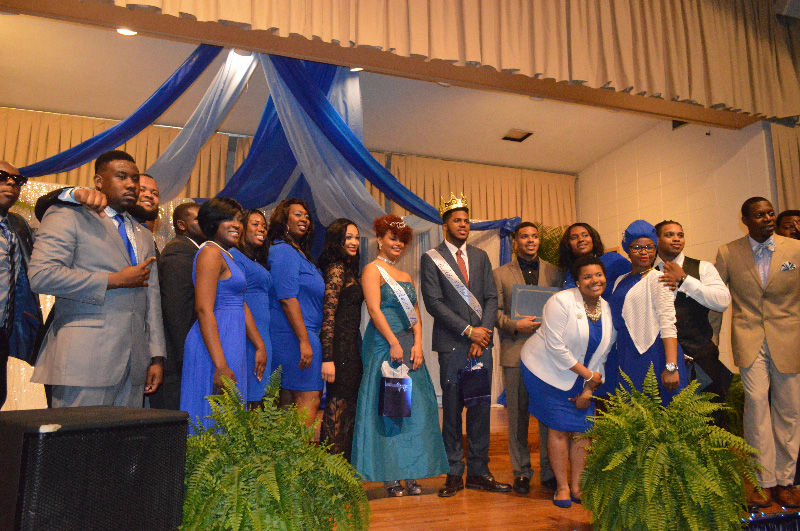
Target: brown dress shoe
{"x":487,"y":482}
{"x":756,"y":499}
{"x":452,"y":485}
{"x":787,"y":496}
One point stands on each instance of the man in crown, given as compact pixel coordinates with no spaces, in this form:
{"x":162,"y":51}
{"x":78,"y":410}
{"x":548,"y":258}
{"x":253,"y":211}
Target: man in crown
{"x":459,"y":292}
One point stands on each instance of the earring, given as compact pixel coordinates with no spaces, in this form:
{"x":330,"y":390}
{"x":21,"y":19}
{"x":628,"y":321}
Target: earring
{"x":380,"y":246}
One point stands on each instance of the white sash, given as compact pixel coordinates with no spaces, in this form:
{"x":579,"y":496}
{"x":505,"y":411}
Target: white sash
{"x":459,"y":286}
{"x":401,"y":295}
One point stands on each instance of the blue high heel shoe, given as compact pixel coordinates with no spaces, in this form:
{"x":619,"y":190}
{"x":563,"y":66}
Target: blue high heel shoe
{"x":564,"y":504}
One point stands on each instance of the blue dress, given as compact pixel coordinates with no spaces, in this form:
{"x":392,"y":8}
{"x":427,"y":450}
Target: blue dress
{"x":550,"y":405}
{"x":616,"y":266}
{"x":197,"y":378}
{"x":629,"y":360}
{"x":259,"y":284}
{"x":295,"y":277}
{"x":389,"y":449}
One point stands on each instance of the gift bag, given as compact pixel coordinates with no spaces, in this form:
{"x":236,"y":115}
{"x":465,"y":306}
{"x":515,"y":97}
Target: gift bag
{"x":394,"y":395}
{"x":474,"y":384}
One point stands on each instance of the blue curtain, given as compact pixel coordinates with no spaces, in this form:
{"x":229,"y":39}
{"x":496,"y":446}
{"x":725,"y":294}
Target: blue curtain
{"x":117,"y":135}
{"x":506,"y":227}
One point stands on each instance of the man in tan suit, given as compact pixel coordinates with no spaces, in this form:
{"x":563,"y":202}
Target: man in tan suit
{"x":763,"y":273}
{"x":526,"y":268}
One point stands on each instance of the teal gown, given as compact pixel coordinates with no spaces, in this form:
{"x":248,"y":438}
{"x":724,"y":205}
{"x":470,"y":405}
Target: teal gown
{"x":389,"y":449}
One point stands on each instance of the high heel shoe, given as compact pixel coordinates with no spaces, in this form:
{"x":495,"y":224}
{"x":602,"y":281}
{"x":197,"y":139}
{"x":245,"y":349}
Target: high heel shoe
{"x":413,"y":488}
{"x":564,"y":504}
{"x":575,"y":499}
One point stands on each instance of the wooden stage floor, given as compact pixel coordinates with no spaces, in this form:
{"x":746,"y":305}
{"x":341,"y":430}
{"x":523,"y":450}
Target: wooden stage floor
{"x":473,"y":509}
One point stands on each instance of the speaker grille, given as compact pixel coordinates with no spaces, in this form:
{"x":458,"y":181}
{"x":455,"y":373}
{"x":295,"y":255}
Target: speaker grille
{"x":120,"y":477}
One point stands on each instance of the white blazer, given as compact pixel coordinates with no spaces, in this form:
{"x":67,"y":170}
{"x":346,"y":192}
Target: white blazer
{"x":562,"y":340}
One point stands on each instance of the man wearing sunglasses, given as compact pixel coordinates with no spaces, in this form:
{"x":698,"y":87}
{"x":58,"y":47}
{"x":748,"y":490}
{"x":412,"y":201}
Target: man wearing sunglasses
{"x":20,"y":314}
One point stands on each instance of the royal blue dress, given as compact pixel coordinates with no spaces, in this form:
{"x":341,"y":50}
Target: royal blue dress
{"x":390,"y":449}
{"x":197,"y":378}
{"x":629,"y":360}
{"x":294,"y":277}
{"x":259,"y":284}
{"x":550,"y":405}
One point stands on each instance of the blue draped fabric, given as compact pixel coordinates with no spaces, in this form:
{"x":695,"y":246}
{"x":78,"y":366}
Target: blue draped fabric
{"x":260,"y":178}
{"x":313,"y":102}
{"x":506,"y":227}
{"x":174,"y":166}
{"x":117,"y":135}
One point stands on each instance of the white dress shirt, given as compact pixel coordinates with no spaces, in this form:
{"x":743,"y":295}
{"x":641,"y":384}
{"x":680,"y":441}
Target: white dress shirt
{"x":709,"y":290}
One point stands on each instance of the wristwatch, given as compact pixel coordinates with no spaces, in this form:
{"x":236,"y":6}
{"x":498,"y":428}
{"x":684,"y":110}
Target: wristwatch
{"x":671,"y":367}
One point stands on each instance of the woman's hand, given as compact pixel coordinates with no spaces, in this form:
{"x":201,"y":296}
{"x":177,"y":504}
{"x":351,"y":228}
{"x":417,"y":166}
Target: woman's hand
{"x":396,"y":352}
{"x":670,"y":380}
{"x":219,"y":372}
{"x":305,"y":355}
{"x":417,"y":359}
{"x":583,"y":400}
{"x":328,"y":371}
{"x":261,"y":362}
{"x":595,"y":381}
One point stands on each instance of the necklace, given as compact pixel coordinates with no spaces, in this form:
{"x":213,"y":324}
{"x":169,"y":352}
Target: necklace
{"x":221,"y":248}
{"x":595,"y":315}
{"x":387,"y":260}
{"x":643,"y":273}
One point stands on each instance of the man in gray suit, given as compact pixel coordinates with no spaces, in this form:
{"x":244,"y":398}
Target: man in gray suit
{"x":106,"y":343}
{"x":459,"y":292}
{"x":527,"y":268}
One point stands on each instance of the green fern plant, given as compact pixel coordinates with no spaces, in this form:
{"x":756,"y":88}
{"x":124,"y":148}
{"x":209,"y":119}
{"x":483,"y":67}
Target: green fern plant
{"x":654,"y":467}
{"x":549,"y":239}
{"x":258,"y":470}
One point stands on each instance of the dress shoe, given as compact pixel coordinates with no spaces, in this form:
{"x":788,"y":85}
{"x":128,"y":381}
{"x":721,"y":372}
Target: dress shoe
{"x":413,"y":488}
{"x":522,"y":485}
{"x":756,"y":499}
{"x":575,"y":499}
{"x":787,"y":496}
{"x":564,"y":504}
{"x":549,"y":484}
{"x":487,"y":482}
{"x":394,"y":489}
{"x":452,"y":485}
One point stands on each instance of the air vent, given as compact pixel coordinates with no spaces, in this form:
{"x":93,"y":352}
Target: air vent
{"x":517,"y":135}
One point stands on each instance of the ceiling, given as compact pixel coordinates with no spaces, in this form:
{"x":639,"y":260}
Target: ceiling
{"x":62,"y":67}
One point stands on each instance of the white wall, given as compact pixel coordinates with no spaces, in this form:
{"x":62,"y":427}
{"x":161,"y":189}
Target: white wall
{"x":691,"y":176}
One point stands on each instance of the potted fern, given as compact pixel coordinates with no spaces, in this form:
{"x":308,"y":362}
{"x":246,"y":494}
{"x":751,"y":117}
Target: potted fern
{"x":654,"y":467}
{"x":259,"y":470}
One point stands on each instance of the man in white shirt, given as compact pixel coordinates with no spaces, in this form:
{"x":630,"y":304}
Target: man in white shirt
{"x":698,"y":290}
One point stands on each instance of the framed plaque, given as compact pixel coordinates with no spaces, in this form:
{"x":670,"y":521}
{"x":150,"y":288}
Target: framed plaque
{"x":528,"y":300}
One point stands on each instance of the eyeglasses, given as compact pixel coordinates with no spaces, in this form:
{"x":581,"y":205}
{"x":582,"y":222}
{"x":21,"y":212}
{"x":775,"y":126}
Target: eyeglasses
{"x":17,"y":180}
{"x":640,"y":248}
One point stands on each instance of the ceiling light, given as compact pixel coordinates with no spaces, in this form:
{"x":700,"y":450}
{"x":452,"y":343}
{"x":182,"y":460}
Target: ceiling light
{"x":127,"y":32}
{"x":242,"y":53}
{"x":356,"y":69}
{"x":517,"y":135}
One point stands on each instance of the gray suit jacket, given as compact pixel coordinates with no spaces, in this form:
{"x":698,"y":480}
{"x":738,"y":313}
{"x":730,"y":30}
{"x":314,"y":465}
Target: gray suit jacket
{"x":505,"y":277}
{"x":95,"y":331}
{"x":450,"y":312}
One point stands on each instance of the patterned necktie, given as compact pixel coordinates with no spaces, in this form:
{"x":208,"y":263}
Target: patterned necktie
{"x":124,"y":234}
{"x":462,"y":266}
{"x":11,"y":238}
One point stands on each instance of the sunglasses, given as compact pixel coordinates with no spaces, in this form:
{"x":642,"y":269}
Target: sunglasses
{"x":18,"y":180}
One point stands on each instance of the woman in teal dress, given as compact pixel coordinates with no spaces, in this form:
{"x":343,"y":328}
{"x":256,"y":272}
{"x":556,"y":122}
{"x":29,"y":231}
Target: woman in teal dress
{"x":390,"y":449}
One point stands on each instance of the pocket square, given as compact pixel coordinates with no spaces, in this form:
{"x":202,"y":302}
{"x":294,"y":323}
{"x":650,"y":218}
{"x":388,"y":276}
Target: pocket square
{"x":788,"y":266}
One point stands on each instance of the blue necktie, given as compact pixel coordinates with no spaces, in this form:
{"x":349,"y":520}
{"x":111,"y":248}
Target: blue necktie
{"x":11,"y":238}
{"x":124,"y":234}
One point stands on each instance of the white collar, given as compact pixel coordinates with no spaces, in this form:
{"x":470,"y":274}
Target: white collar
{"x":754,"y":244}
{"x":111,"y":213}
{"x":453,"y":248}
{"x":678,"y":260}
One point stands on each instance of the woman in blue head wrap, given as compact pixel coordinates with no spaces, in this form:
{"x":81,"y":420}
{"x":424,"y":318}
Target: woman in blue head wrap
{"x":643,"y":310}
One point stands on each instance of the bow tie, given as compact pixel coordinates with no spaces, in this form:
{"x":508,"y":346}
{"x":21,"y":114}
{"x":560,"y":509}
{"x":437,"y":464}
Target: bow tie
{"x":533,"y":264}
{"x":766,"y":245}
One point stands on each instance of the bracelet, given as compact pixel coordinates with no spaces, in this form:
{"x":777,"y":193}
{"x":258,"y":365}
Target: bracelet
{"x":680,"y":282}
{"x":589,"y":379}
{"x":469,"y":334}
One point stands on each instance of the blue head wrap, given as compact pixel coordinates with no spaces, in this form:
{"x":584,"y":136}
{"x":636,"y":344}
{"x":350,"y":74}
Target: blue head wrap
{"x":638,"y":229}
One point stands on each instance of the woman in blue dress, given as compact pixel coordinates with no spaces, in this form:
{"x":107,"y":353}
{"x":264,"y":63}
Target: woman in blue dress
{"x":295,"y":306}
{"x":215,"y":346}
{"x":251,"y":257}
{"x":643,"y":308}
{"x":562,"y":364}
{"x":390,"y":449}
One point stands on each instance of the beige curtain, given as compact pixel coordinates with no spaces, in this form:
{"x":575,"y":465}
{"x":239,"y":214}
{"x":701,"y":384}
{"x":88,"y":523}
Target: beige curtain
{"x":786,"y":150}
{"x":30,"y":136}
{"x":731,"y":53}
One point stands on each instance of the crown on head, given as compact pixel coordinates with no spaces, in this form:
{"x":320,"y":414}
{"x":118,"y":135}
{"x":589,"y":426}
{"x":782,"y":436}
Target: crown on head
{"x":452,"y":204}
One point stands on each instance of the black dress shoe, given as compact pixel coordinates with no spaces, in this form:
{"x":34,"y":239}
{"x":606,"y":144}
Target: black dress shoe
{"x":522,"y":485}
{"x":487,"y":482}
{"x":452,"y":485}
{"x":549,"y":484}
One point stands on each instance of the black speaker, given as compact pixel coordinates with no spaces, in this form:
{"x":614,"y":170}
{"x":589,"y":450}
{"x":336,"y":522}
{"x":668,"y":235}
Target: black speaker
{"x":92,"y":468}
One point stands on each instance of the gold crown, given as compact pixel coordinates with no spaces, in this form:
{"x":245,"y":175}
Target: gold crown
{"x":454,"y":203}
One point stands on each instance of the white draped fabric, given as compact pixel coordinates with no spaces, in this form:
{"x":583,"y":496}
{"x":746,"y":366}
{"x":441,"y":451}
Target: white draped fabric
{"x":731,"y":53}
